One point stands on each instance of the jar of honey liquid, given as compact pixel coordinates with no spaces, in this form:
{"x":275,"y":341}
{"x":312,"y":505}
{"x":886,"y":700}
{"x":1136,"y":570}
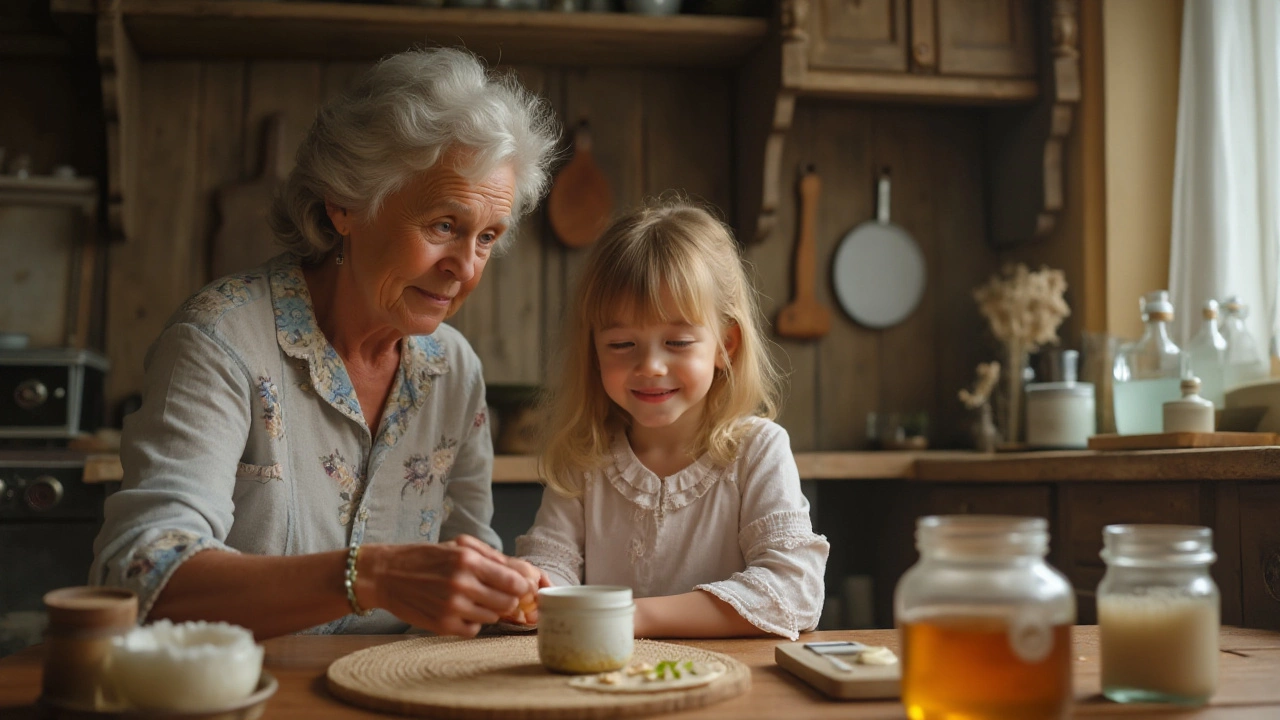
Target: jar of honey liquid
{"x":985,"y":623}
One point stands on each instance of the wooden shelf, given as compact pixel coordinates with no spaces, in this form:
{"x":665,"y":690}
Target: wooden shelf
{"x":203,"y":29}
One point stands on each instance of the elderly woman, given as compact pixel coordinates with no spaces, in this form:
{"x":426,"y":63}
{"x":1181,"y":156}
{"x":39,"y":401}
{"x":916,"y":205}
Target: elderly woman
{"x":312,"y":451}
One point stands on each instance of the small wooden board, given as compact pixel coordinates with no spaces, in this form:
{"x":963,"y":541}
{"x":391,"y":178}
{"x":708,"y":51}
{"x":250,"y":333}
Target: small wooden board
{"x":1176,"y":440}
{"x":864,"y":682}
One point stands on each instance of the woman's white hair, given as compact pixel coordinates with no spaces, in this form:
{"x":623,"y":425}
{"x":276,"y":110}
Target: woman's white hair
{"x":398,"y":121}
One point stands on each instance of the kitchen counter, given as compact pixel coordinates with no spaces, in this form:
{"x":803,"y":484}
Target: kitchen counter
{"x":1249,"y":463}
{"x":1249,"y":664}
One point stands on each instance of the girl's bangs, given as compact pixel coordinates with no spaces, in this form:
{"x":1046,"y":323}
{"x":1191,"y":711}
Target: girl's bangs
{"x":652,"y":292}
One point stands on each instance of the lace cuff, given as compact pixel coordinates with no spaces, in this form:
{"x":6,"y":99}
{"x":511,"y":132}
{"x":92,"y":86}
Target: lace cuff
{"x":786,"y":530}
{"x":759,"y":605}
{"x":562,"y":563}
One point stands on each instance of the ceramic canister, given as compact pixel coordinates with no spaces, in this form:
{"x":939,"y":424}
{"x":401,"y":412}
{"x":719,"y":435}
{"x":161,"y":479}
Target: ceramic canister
{"x":585,"y":628}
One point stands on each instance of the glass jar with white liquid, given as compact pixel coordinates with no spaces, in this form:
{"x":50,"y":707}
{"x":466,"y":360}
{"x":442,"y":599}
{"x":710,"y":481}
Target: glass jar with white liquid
{"x":1158,"y":614}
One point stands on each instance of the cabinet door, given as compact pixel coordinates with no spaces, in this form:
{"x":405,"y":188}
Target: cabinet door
{"x":1085,"y":508}
{"x":987,"y":37}
{"x":858,"y":34}
{"x":1260,"y":554}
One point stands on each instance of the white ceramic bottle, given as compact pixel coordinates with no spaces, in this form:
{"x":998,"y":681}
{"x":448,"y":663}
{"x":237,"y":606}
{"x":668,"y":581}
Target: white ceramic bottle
{"x":1191,"y":413}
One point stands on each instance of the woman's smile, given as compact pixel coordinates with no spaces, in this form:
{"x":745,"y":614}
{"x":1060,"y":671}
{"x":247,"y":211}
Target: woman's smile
{"x":434,"y":298}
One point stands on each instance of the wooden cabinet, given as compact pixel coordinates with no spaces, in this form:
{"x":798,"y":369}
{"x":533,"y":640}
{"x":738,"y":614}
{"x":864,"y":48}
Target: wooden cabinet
{"x":990,"y":38}
{"x":980,"y":38}
{"x":867,"y":35}
{"x":1260,"y":554}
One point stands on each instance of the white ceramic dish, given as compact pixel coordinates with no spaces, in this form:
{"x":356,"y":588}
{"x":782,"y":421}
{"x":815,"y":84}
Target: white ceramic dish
{"x":188,"y":667}
{"x":249,"y":708}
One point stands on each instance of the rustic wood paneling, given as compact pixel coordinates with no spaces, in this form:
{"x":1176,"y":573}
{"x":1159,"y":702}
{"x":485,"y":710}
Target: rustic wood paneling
{"x":162,"y":265}
{"x":503,"y":316}
{"x":773,"y":261}
{"x":842,"y":152}
{"x":221,"y":145}
{"x":653,"y":131}
{"x":935,"y":160}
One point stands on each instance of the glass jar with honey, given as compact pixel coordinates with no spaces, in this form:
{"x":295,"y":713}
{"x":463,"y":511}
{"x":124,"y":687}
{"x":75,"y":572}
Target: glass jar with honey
{"x":985,"y":622}
{"x":1158,"y":614}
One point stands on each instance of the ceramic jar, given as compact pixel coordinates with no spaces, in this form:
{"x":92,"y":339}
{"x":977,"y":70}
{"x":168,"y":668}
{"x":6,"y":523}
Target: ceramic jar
{"x":1191,"y":413}
{"x":1060,"y":414}
{"x":585,"y":628}
{"x":83,"y":621}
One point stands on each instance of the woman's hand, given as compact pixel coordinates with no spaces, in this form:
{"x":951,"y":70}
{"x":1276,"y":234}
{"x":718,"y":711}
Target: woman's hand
{"x":526,"y":612}
{"x":449,"y":588}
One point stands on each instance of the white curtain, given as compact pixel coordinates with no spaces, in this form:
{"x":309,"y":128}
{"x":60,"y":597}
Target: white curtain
{"x":1226,"y":187}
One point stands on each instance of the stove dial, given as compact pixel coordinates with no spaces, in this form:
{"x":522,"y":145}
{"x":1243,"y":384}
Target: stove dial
{"x":43,"y":493}
{"x":30,"y":394}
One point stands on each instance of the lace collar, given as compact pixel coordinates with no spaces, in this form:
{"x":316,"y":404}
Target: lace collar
{"x":645,"y":489}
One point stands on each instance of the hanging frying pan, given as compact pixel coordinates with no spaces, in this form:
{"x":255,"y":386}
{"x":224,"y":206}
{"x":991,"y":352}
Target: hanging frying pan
{"x":879,"y":272}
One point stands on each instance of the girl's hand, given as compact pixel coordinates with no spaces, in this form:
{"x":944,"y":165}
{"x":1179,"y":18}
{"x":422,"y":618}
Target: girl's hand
{"x":448,"y":588}
{"x":526,"y":612}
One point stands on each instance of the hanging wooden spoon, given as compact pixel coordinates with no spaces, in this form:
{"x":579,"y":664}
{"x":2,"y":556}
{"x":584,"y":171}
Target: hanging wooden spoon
{"x":581,"y":200}
{"x":804,"y":317}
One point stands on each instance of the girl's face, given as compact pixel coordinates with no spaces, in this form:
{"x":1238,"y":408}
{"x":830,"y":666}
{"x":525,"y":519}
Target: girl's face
{"x":660,"y":372}
{"x":427,"y":248}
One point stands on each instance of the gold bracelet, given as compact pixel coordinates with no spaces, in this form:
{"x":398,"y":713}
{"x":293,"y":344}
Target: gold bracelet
{"x":349,"y":581}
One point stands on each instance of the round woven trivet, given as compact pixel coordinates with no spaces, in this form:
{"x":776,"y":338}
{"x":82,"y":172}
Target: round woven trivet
{"x":501,"y":678}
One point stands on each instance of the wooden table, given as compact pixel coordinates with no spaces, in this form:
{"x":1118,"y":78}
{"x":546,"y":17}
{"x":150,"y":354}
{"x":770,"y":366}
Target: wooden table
{"x":1249,"y":686}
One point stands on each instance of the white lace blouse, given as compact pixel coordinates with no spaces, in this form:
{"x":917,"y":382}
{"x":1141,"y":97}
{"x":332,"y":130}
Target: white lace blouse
{"x":740,"y":532}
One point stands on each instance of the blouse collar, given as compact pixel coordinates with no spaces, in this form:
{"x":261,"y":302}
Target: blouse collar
{"x":421,"y":356}
{"x":645,"y":489}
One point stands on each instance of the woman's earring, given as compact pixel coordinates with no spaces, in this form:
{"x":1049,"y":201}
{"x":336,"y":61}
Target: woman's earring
{"x":341,"y":244}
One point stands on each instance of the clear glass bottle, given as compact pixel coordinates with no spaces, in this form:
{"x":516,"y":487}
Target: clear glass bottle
{"x":1207,"y":353}
{"x":1147,"y":373}
{"x":985,"y":622}
{"x":1158,"y":614}
{"x":1243,"y":358}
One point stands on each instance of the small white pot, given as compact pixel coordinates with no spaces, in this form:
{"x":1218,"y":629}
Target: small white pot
{"x":585,"y":628}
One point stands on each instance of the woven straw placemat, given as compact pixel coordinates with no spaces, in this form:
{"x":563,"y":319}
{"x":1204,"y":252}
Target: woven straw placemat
{"x":501,"y":678}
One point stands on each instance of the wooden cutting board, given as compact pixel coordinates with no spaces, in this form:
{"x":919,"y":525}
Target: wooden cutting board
{"x":243,"y":239}
{"x":1182,"y":440}
{"x":581,"y":200}
{"x":862,"y":682}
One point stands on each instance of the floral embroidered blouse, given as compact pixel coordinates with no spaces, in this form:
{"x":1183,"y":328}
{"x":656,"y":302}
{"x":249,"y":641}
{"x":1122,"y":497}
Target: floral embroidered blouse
{"x":740,"y":532}
{"x":250,"y":439}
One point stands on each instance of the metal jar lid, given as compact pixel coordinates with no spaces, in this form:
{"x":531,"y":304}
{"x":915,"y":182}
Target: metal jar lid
{"x":1059,"y":390}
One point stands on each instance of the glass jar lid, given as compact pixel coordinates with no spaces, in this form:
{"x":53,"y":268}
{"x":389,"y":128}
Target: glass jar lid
{"x":977,"y":537}
{"x":1157,"y":545}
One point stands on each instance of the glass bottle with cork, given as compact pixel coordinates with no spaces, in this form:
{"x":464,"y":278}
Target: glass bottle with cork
{"x":1158,"y":614}
{"x":1244,"y":361}
{"x":1207,"y":353}
{"x":1147,"y":373}
{"x":985,"y":622}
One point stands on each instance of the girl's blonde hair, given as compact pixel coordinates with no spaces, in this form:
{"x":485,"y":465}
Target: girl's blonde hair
{"x":668,"y":250}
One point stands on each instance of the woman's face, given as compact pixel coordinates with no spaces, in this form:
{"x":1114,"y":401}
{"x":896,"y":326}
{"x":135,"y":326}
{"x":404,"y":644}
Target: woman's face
{"x":425,"y":251}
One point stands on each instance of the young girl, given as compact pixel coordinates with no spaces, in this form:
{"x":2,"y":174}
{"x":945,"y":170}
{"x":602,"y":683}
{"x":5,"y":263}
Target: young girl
{"x":664,"y":472}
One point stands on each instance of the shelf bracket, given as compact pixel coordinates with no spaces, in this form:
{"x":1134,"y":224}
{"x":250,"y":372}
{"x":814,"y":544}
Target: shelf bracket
{"x":1028,"y":146}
